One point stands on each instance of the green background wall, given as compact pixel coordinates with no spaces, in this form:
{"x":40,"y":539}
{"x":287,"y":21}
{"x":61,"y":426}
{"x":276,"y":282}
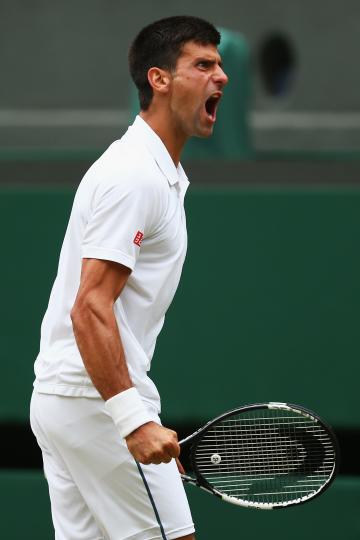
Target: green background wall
{"x":267,"y":308}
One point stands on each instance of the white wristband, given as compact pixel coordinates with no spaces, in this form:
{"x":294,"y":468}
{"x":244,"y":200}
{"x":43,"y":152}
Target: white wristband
{"x":128,"y":411}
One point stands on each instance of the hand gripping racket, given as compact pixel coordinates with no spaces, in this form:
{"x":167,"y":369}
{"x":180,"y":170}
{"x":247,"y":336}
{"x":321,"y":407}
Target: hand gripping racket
{"x":265,"y":456}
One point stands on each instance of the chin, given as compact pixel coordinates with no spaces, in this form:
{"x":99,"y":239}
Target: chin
{"x":204,"y":133}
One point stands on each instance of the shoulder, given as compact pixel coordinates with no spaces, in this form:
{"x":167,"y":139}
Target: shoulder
{"x":127,"y":172}
{"x":129,"y":165}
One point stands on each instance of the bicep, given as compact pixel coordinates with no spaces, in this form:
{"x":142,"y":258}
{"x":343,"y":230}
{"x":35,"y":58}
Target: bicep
{"x":101,"y":280}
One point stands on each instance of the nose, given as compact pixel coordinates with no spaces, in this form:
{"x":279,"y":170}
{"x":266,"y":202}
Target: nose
{"x":221,"y":77}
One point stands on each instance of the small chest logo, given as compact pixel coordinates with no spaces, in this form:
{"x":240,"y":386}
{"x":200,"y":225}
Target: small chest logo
{"x":138,"y":238}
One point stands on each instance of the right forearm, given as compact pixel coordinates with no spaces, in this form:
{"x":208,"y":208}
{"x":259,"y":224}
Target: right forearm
{"x":99,"y":342}
{"x":98,"y":339}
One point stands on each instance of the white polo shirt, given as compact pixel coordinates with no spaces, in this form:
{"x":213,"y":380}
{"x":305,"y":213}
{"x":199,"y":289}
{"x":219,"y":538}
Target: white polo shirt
{"x":128,"y":209}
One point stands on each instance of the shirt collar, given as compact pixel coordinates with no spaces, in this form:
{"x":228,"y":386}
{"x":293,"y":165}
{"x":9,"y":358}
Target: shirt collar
{"x":158,"y":150}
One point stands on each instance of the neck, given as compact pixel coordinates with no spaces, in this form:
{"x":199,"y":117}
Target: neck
{"x":165,"y":128}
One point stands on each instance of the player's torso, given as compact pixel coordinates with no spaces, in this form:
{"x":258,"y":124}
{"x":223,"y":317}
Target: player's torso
{"x":141,"y":308}
{"x":152,"y":285}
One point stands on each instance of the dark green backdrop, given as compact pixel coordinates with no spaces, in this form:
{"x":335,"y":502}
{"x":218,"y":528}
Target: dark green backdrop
{"x":268,"y":307}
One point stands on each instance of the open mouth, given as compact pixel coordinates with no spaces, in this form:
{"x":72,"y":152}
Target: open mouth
{"x":211,"y":105}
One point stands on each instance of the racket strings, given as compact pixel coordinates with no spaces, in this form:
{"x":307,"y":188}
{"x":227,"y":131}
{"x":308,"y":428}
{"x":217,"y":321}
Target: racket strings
{"x":266,"y":456}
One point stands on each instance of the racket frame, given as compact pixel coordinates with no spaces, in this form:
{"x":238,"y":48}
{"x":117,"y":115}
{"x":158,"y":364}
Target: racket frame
{"x":202,"y":483}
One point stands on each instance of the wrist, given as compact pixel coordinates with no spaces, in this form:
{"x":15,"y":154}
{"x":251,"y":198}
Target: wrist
{"x":127,"y":411}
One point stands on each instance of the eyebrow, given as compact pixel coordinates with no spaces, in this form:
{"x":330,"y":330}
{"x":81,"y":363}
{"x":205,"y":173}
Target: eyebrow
{"x":209,"y":60}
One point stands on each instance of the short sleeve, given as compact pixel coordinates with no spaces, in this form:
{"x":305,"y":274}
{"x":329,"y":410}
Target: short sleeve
{"x":121,"y":217}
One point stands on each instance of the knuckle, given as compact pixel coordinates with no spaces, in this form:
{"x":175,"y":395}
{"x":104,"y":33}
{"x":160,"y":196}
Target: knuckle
{"x":169,"y":447}
{"x":175,"y":449}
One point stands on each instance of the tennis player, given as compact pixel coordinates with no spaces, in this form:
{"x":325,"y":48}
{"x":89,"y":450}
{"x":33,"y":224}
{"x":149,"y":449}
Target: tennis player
{"x":108,"y":460}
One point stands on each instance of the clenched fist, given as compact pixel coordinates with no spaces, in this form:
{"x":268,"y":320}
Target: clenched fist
{"x":152,"y":443}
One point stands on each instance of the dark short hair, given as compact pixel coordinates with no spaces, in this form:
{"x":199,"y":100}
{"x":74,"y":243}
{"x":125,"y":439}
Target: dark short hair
{"x":159,"y":45}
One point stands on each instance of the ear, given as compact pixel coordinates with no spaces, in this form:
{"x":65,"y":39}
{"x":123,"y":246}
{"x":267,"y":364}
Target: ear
{"x":159,"y":80}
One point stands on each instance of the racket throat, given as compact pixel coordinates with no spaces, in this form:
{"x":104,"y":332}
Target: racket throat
{"x":195,"y":482}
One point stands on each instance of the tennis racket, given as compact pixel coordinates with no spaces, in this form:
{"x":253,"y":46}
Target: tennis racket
{"x":265,"y":456}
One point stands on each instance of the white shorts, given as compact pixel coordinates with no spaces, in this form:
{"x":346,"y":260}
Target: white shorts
{"x":97,"y":491}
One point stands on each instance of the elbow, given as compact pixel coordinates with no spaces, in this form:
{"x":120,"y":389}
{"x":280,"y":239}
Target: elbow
{"x":86,"y":310}
{"x":75,"y":314}
{"x":79,"y":311}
